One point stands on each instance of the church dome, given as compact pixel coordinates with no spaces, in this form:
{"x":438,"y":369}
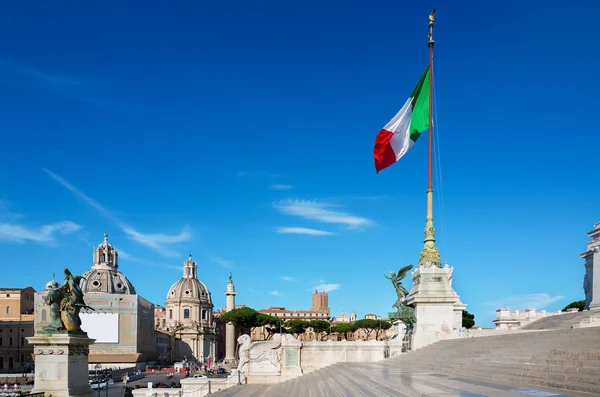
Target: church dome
{"x":104,"y":276}
{"x":189,"y":287}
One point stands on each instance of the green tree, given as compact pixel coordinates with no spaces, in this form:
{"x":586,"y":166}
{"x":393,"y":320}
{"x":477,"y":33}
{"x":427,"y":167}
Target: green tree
{"x":344,"y":329}
{"x":243,"y":318}
{"x":575,"y":305}
{"x":272,"y":324}
{"x":368,"y":325}
{"x":296,"y":327}
{"x":383,"y":326}
{"x":320,"y":327}
{"x":468,"y":319}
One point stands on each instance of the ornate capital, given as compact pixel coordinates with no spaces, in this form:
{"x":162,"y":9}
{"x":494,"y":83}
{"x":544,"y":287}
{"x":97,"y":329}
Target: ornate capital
{"x":430,"y":256}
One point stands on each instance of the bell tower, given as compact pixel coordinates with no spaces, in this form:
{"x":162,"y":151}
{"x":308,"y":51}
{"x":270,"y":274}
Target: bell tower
{"x":189,"y":268}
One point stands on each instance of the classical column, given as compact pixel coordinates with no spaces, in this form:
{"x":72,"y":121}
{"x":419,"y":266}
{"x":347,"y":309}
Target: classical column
{"x":229,"y":328}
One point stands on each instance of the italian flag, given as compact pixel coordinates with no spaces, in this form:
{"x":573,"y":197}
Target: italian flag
{"x":394,"y":140}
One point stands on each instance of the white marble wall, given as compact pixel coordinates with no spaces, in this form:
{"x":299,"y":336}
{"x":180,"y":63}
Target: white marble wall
{"x":317,"y":355}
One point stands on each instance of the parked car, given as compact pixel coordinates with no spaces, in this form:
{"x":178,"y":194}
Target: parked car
{"x":198,"y":376}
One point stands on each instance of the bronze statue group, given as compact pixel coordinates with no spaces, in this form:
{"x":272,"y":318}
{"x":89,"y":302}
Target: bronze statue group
{"x":65,"y":301}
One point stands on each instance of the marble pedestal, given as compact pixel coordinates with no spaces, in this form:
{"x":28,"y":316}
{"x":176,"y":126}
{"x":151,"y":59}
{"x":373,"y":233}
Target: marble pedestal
{"x":291,"y":365}
{"x":591,"y":280}
{"x":438,"y":308}
{"x":61,"y":364}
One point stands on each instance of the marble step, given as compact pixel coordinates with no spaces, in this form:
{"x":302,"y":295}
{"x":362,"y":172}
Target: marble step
{"x":588,"y":384}
{"x":533,"y":372}
{"x":531,"y":380}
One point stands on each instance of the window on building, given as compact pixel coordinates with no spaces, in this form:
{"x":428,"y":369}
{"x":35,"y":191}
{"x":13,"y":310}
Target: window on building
{"x":10,"y":341}
{"x":170,"y":314}
{"x":186,"y":313}
{"x":11,"y":362}
{"x":22,"y":358}
{"x":7,"y":309}
{"x":0,"y":345}
{"x":203,"y":314}
{"x":22,"y":342}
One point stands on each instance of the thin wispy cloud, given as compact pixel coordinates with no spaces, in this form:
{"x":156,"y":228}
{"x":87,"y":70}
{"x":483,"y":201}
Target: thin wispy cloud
{"x":321,"y":212}
{"x":159,"y":242}
{"x":17,"y":232}
{"x":127,"y":257}
{"x":303,"y":230}
{"x":221,"y":262}
{"x":278,"y":186}
{"x":528,"y":301}
{"x":68,"y":86}
{"x":276,"y":293}
{"x":43,"y":235}
{"x":287,"y":278}
{"x":6,"y":213}
{"x":326,"y":287}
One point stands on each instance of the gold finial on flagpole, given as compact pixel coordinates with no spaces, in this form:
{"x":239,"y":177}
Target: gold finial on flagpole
{"x":431,"y":20}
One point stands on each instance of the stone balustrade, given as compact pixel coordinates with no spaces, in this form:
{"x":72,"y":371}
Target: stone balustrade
{"x":507,"y":319}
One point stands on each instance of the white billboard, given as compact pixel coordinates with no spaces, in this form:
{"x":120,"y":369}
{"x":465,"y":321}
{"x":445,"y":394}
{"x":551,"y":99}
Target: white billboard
{"x":104,"y":327}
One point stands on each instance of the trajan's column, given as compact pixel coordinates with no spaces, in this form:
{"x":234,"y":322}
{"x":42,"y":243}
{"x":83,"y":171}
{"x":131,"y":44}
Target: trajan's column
{"x":229,"y":328}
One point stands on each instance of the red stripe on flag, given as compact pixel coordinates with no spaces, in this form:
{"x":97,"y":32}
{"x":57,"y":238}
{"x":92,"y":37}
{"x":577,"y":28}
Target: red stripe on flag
{"x":383,"y":152}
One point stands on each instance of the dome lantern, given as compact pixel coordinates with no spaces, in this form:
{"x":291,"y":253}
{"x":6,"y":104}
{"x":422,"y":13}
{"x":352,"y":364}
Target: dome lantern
{"x":103,"y":276}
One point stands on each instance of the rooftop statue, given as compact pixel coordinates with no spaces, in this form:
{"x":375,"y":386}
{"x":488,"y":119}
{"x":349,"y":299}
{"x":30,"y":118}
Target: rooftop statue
{"x":65,"y":303}
{"x":404,"y":313}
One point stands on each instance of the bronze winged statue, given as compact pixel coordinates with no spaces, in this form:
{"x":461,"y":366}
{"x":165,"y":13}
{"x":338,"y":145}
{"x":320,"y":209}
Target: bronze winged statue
{"x":404,"y":312}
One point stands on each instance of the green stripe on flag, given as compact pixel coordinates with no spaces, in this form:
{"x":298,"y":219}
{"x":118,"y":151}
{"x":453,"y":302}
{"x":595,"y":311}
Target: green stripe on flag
{"x":419,"y":120}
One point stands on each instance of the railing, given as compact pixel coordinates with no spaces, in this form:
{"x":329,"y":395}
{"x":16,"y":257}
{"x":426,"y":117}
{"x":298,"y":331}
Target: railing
{"x":19,"y":393}
{"x":205,"y":389}
{"x":406,"y":342}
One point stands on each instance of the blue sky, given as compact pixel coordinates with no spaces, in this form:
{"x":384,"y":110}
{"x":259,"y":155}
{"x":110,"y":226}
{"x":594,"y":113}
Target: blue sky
{"x":243,"y":133}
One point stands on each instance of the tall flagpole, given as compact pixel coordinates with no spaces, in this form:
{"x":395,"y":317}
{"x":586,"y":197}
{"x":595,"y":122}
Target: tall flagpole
{"x":430,"y":256}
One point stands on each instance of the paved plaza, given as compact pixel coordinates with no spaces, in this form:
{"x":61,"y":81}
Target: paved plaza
{"x":384,"y":379}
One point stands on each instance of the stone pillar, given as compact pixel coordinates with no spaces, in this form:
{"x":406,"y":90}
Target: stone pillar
{"x":229,"y":328}
{"x":291,"y":361}
{"x":591,"y":280}
{"x":61,"y":364}
{"x":437,"y":305}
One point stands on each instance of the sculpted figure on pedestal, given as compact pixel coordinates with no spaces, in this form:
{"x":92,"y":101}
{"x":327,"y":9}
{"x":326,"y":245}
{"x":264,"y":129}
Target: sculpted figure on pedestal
{"x":65,"y":303}
{"x":244,"y":342}
{"x":262,"y":357}
{"x":404,"y":313}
